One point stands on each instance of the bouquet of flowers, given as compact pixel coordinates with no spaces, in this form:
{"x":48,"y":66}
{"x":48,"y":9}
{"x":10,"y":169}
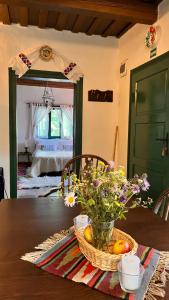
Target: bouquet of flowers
{"x":106,"y":195}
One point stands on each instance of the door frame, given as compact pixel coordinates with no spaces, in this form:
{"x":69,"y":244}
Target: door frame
{"x":77,"y":124}
{"x":132,"y":73}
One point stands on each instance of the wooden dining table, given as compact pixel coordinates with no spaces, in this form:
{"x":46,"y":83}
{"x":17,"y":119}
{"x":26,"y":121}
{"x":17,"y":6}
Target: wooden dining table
{"x":24,"y":223}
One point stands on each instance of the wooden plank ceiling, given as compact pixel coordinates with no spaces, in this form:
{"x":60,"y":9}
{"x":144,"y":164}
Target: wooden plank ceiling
{"x":93,"y":17}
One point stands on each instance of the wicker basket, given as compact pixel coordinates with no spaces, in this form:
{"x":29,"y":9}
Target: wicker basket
{"x":100,"y":259}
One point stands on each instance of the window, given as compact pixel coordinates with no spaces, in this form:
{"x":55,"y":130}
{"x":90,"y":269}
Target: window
{"x":50,"y":126}
{"x":54,"y":123}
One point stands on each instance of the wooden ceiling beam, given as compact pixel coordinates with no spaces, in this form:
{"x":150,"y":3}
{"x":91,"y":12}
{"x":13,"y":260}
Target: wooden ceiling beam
{"x":43,"y":83}
{"x":124,"y":30}
{"x":43,"y":18}
{"x":61,"y":21}
{"x":4,"y":14}
{"x":23,"y":16}
{"x":77,"y":26}
{"x":109,"y":29}
{"x":134,"y":11}
{"x":93,"y":26}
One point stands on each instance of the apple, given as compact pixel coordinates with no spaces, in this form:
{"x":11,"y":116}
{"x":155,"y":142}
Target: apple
{"x":88,"y":233}
{"x":111,"y":246}
{"x":120,"y":247}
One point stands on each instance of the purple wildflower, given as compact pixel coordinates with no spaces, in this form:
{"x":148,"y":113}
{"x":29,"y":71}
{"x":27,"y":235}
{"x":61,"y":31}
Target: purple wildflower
{"x":123,"y":199}
{"x":96,"y":183}
{"x":110,"y":165}
{"x":145,"y":186}
{"x":124,"y":188}
{"x":135,"y":189}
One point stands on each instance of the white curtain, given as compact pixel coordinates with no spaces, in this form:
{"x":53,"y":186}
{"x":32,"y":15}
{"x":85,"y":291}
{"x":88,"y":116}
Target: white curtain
{"x":67,"y":121}
{"x":36,"y":115}
{"x":59,"y":115}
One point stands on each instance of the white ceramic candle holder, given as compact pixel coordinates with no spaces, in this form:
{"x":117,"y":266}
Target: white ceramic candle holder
{"x":81,"y":221}
{"x":130,"y":283}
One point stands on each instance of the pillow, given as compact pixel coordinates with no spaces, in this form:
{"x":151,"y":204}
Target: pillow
{"x":49,"y":147}
{"x":48,"y":144}
{"x":59,"y":147}
{"x":68,"y":147}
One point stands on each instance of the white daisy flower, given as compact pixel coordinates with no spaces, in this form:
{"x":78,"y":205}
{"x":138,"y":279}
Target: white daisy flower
{"x":70,"y":199}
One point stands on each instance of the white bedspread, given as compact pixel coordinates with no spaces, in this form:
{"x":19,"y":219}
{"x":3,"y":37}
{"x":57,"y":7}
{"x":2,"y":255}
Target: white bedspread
{"x":48,"y":161}
{"x":38,"y":182}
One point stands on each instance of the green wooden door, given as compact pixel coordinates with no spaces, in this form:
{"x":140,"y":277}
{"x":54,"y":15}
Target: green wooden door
{"x":149,"y":124}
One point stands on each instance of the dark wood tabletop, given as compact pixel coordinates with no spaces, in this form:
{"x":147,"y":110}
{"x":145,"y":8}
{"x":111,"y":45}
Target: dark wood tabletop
{"x":24,"y":223}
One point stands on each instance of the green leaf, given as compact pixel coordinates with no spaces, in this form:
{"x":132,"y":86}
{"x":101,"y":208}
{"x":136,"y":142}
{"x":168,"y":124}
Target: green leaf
{"x":117,"y":203}
{"x":91,"y":202}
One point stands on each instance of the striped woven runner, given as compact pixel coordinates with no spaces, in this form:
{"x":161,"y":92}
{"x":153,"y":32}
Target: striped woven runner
{"x":64,"y":259}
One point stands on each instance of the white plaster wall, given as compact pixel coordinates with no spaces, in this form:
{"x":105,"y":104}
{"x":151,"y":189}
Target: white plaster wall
{"x":98,"y":59}
{"x":34,"y":94}
{"x":132,"y":47}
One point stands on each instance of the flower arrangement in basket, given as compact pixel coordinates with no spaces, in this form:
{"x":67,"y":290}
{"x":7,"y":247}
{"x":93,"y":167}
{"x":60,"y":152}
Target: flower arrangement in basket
{"x":106,"y":195}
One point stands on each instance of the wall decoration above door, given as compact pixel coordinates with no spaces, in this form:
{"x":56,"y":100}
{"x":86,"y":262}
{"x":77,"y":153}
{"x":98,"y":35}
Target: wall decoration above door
{"x":27,"y":59}
{"x":100,"y":96}
{"x":46,"y":53}
{"x":151,"y":35}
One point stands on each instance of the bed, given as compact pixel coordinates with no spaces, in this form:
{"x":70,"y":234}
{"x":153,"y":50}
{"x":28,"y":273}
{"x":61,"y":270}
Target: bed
{"x":50,"y":157}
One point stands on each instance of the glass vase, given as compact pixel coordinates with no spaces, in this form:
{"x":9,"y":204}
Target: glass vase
{"x":102,"y":234}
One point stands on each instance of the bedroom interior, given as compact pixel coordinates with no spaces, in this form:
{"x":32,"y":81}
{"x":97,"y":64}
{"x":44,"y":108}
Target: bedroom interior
{"x":44,"y":133}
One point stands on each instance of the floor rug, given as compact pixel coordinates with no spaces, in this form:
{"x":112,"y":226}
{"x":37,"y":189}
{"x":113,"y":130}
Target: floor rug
{"x":22,"y":168}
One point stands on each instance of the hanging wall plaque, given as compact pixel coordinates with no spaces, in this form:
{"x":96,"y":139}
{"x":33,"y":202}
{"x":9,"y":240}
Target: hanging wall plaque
{"x":100,"y":96}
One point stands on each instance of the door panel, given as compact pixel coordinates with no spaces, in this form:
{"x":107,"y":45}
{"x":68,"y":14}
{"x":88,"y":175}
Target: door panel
{"x":145,"y":137}
{"x":151,"y":93}
{"x":149,"y":124}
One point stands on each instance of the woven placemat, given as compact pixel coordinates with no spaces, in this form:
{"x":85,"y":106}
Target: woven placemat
{"x":61,"y":256}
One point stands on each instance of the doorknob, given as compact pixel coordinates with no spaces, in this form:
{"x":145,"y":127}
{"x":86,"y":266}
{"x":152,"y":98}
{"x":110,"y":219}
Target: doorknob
{"x":164,"y":150}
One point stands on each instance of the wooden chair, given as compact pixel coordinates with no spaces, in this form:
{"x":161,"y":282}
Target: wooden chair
{"x":76,"y":165}
{"x":161,"y":207}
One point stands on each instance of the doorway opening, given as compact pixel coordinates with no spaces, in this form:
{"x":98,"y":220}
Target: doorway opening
{"x":45,"y":110}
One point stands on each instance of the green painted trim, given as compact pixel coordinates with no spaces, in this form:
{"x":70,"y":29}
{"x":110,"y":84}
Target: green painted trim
{"x":78,"y":110}
{"x":12,"y":133}
{"x":78,"y":114}
{"x":132,"y":73}
{"x":129,"y":124}
{"x":151,"y":62}
{"x":44,"y":74}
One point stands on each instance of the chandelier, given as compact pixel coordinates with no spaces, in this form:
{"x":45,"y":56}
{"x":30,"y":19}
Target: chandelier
{"x":48,"y":97}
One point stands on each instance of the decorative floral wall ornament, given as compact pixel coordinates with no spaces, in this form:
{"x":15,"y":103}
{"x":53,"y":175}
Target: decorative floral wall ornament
{"x":25,"y":60}
{"x":151,"y":37}
{"x":28,"y":58}
{"x":46,"y":53}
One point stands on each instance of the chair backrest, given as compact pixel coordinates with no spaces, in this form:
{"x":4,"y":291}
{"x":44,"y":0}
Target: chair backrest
{"x":76,"y":165}
{"x":161,"y":206}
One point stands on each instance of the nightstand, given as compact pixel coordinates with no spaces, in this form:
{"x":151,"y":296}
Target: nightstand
{"x":23,"y":155}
